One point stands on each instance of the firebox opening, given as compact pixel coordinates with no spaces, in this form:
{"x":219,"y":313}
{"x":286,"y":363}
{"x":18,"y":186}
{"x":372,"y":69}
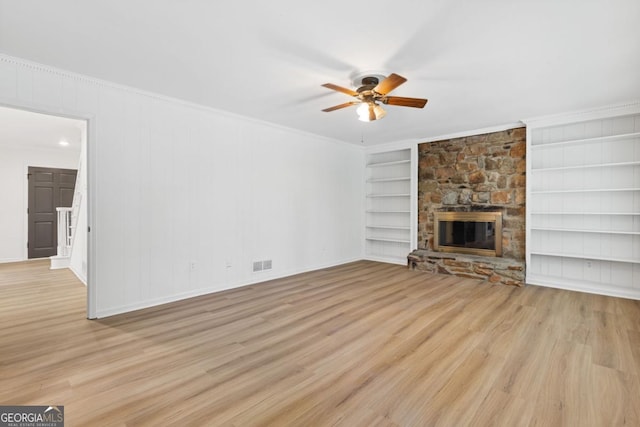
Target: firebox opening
{"x":478,"y":233}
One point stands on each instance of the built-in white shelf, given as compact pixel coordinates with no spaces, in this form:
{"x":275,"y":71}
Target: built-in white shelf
{"x":586,"y":256}
{"x":602,"y":165}
{"x":399,"y":179}
{"x":588,"y":213}
{"x":576,"y":230}
{"x":611,"y":138}
{"x":389,"y":220}
{"x":592,"y":190}
{"x":585,"y":197}
{"x":387,"y":212}
{"x":380,"y":239}
{"x":388,"y":195}
{"x":395,"y":162}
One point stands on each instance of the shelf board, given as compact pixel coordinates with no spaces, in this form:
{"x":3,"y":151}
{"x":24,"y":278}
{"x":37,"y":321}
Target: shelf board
{"x":595,"y":190}
{"x":403,"y":212}
{"x":382,"y":239}
{"x":582,"y":256}
{"x":610,"y":138}
{"x":603,"y":165}
{"x":395,"y":162}
{"x":388,"y":195}
{"x":575,"y":230}
{"x":402,"y":178}
{"x":389,"y":227}
{"x":589,"y":213}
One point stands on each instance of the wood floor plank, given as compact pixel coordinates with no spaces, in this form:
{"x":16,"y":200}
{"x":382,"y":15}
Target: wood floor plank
{"x":503,"y":409}
{"x":362,"y":344}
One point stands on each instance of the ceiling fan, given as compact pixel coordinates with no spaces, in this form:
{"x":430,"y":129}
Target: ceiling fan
{"x":372,"y":92}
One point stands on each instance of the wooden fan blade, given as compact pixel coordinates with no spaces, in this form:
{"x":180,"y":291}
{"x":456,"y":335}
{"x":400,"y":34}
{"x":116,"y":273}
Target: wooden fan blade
{"x":372,"y":113}
{"x":337,"y":107}
{"x":340,"y":89}
{"x":405,"y":102}
{"x":389,"y":84}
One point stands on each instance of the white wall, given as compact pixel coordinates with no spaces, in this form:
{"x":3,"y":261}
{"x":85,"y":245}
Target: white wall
{"x":14,"y":162}
{"x":171,"y":183}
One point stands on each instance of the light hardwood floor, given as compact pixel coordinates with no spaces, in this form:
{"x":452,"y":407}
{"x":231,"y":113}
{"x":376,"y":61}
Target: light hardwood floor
{"x":364,"y":344}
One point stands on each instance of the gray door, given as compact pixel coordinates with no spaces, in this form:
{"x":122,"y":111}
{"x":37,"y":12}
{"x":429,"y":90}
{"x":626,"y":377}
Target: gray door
{"x":49,"y":188}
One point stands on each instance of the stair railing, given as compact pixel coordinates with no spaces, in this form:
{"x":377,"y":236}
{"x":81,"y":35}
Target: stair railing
{"x":65,"y":231}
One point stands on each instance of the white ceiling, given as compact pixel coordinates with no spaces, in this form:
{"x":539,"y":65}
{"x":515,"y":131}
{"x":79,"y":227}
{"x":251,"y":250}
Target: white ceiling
{"x":26,"y":129}
{"x":480,"y":63}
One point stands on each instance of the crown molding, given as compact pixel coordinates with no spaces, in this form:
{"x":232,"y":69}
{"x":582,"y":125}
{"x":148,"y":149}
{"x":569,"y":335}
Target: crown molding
{"x":474,"y":132}
{"x":391,"y":146}
{"x":628,"y":108}
{"x":35,"y":66}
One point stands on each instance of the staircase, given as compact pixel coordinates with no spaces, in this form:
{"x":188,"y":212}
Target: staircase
{"x":67,"y":220}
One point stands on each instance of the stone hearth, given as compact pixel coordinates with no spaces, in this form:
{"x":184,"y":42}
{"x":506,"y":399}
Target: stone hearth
{"x":493,"y":269}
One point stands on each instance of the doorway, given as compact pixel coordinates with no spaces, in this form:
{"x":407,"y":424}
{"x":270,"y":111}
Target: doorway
{"x":49,"y":188}
{"x":44,"y":140}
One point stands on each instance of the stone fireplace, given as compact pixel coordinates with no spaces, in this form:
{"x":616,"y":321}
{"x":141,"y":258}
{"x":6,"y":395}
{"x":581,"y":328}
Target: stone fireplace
{"x":479,"y":181}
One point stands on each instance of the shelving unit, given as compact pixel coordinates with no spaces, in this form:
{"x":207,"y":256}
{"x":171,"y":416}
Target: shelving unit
{"x":390,"y":212}
{"x":586,"y":257}
{"x":583,"y":202}
{"x":585,"y":230}
{"x":603,"y":165}
{"x":593,"y":190}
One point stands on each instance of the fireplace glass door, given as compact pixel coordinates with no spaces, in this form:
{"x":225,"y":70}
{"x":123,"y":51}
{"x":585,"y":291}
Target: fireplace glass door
{"x":478,"y":233}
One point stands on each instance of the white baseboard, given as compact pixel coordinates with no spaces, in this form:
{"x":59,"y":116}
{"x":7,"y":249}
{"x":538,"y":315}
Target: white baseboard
{"x":590,"y":288}
{"x":59,"y":262}
{"x":7,"y":260}
{"x":387,"y":260}
{"x":80,"y":276}
{"x":101,"y":313}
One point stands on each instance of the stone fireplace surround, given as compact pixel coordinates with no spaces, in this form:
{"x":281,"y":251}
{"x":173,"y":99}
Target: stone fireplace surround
{"x":476,"y":173}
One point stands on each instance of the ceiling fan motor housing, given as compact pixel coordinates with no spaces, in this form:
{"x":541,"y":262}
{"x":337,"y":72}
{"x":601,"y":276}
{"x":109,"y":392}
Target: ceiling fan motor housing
{"x":369,"y":78}
{"x":366,"y":92}
{"x":366,"y":81}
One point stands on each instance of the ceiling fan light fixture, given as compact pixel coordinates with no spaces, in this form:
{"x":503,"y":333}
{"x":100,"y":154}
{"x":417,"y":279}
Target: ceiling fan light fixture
{"x":379,"y":111}
{"x":363,"y":112}
{"x":374,"y":90}
{"x":369,"y":111}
